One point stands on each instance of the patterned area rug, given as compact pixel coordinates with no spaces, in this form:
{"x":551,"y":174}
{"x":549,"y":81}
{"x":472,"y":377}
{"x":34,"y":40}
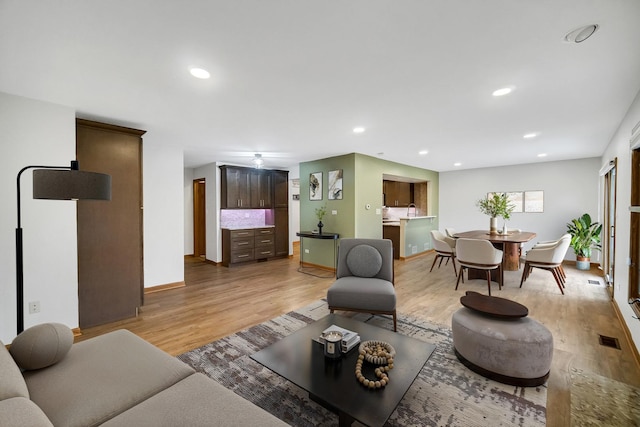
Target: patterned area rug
{"x":445,"y":393}
{"x":599,"y":401}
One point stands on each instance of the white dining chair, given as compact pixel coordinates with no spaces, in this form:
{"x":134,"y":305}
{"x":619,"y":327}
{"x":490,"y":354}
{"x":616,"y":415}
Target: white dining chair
{"x":479,"y":255}
{"x":445,"y":248}
{"x":548,"y":256}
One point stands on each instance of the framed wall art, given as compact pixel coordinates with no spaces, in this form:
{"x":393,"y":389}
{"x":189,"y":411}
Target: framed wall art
{"x":315,"y":186}
{"x":534,"y":201}
{"x":335,"y":185}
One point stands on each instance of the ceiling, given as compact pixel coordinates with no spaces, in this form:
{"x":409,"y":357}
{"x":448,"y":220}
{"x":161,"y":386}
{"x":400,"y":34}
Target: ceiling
{"x":290,"y":79}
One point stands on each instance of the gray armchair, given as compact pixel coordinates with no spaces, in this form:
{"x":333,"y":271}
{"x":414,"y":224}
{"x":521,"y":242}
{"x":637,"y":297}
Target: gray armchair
{"x":364,"y":278}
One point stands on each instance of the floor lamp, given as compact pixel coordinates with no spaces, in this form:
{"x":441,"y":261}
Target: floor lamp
{"x":56,"y":183}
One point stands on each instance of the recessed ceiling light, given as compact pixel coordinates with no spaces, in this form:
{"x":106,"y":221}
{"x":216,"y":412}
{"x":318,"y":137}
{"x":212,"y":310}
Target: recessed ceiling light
{"x":530,"y":135}
{"x":542,"y":155}
{"x":457,"y":164}
{"x":200,"y":73}
{"x":502,"y":91}
{"x":423,"y":152}
{"x":581,"y":34}
{"x":358,"y":129}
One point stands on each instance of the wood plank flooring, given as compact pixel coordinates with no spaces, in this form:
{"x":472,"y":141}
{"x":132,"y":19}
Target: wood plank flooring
{"x":219,"y":301}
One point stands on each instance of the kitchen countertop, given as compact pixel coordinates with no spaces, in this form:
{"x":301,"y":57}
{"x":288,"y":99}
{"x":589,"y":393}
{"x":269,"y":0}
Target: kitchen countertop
{"x":246,"y":227}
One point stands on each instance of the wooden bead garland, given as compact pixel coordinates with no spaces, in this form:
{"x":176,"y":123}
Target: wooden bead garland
{"x":377,"y":353}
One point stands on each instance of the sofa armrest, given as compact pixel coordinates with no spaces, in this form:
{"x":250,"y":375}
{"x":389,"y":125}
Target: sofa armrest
{"x":21,"y":412}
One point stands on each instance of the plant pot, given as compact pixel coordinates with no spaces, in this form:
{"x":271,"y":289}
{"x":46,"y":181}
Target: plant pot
{"x":493,"y":225}
{"x":320,"y":225}
{"x":583,"y":263}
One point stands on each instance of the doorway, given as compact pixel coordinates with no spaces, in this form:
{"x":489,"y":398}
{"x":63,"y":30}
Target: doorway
{"x":199,"y":218}
{"x":609,"y":225}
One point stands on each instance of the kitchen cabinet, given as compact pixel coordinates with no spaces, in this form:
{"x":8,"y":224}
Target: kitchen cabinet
{"x":260,"y":189}
{"x":235,"y":187}
{"x":392,"y":232}
{"x":248,"y":244}
{"x":397,"y":194}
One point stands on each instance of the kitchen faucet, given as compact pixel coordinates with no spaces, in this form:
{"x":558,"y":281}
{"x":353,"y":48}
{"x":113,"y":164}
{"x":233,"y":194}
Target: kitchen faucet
{"x":411,"y":205}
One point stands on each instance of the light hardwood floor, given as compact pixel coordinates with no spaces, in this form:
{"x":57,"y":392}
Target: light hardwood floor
{"x":219,"y":301}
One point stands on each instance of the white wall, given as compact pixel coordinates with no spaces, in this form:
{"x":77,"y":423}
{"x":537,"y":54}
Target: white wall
{"x":163,"y":214}
{"x":37,"y":133}
{"x":211,"y":174}
{"x":570,"y":189}
{"x":619,"y":148}
{"x":188,"y":211}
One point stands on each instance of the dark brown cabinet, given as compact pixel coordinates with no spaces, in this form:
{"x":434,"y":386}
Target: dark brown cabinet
{"x":247,"y":188}
{"x":248,"y":244}
{"x":260,"y":188}
{"x":397,"y":194}
{"x":235,"y":188}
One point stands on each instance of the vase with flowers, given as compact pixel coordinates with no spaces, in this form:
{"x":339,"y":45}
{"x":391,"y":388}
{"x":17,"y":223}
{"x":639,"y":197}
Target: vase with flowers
{"x":320,"y":213}
{"x":495,"y":205}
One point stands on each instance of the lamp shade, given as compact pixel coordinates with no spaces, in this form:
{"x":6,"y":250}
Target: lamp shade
{"x":56,"y":184}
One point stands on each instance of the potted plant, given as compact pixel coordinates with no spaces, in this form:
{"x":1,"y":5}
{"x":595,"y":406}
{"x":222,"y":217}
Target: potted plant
{"x":495,"y":205}
{"x":320,"y":213}
{"x":585,"y":235}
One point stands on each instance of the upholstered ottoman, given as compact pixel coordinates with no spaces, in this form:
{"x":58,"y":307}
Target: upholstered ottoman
{"x":511,"y":350}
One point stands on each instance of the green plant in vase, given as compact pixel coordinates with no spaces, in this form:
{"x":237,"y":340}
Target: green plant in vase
{"x":320,"y":213}
{"x":585,"y":236}
{"x":496,"y":205}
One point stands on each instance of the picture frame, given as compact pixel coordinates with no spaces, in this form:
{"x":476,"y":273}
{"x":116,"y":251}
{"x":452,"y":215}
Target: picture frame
{"x":315,"y":186}
{"x":334,"y":185}
{"x":516,"y":199}
{"x":534,"y":201}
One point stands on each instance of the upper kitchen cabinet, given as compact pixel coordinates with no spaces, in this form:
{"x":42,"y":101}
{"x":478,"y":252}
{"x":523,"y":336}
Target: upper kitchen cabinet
{"x":235,"y":187}
{"x":397,"y":194}
{"x":261,"y":184}
{"x":281,"y":189}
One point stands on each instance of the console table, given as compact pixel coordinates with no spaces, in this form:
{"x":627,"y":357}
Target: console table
{"x":323,"y":236}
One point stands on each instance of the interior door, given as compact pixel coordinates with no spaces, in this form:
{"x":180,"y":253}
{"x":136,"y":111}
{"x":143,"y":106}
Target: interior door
{"x":199,"y":218}
{"x":110,"y":264}
{"x":609,"y":247}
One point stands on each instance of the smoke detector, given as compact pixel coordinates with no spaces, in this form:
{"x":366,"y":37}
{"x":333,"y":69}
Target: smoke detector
{"x":581,"y":34}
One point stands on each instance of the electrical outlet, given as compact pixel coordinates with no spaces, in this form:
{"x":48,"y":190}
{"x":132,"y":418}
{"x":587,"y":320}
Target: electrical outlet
{"x":306,"y":251}
{"x":334,"y":212}
{"x":34,"y":307}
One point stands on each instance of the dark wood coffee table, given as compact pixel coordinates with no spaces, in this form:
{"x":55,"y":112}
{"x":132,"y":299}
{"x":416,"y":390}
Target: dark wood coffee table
{"x":493,"y":306}
{"x":333,"y":383}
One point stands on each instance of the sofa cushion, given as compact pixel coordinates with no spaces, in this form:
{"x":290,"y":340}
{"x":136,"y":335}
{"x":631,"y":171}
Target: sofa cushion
{"x":364,"y":261}
{"x":11,"y":381}
{"x":103,"y":377}
{"x":41,"y":345}
{"x":21,"y":412}
{"x":195,"y":401}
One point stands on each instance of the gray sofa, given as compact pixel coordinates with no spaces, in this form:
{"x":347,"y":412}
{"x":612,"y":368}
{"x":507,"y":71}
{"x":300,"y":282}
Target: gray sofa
{"x":116,"y":379}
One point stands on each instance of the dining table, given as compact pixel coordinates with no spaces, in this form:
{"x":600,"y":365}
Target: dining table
{"x":509,"y":243}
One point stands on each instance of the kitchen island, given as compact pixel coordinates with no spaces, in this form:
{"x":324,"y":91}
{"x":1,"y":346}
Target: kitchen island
{"x":411,"y":235}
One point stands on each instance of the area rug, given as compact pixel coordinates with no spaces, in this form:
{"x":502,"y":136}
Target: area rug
{"x":445,"y":393}
{"x":597,"y":401}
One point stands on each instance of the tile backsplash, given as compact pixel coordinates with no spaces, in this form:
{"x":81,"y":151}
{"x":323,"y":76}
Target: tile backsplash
{"x":238,"y":218}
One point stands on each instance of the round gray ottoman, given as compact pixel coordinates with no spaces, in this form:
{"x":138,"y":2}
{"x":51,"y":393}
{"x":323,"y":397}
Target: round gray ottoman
{"x":515,"y":351}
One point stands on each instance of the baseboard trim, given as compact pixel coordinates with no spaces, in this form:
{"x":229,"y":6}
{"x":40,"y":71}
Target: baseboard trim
{"x":410,"y":257}
{"x":76,"y":332}
{"x":166,"y":287}
{"x":318,"y":266}
{"x":627,"y":333}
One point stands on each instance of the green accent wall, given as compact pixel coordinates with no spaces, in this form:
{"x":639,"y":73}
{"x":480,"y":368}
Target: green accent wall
{"x":361,"y":186}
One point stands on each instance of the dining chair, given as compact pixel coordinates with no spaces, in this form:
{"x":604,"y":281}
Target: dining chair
{"x":548,"y":256}
{"x":451,"y":232}
{"x":445,"y":248}
{"x":479,"y":255}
